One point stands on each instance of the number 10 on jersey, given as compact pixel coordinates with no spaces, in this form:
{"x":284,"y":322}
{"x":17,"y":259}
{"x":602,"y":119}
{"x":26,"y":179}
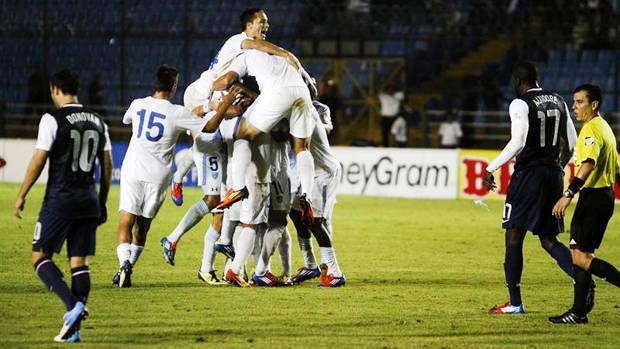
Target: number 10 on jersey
{"x":155,"y":129}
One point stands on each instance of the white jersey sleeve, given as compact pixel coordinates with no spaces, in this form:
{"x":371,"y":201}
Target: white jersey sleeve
{"x":324,"y":115}
{"x":518,"y":134}
{"x":128,"y":114}
{"x":108,"y":144}
{"x":188,"y":121}
{"x":47,"y":132}
{"x":239,"y":66}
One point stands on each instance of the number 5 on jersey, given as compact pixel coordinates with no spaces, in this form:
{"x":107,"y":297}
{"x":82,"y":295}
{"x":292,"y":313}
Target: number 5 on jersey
{"x":155,"y":129}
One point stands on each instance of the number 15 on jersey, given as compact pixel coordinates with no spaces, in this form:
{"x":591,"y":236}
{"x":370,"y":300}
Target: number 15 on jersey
{"x":154,"y":127}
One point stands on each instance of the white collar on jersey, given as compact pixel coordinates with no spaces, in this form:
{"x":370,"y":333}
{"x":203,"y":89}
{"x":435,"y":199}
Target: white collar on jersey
{"x":534,"y":89}
{"x":71,"y":105}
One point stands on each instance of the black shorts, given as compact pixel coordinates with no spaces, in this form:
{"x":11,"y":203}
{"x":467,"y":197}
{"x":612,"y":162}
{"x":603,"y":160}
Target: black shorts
{"x":594,"y":209}
{"x":532,"y":193}
{"x":51,"y":231}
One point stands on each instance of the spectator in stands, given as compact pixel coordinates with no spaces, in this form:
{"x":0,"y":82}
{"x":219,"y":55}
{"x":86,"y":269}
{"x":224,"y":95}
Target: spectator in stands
{"x":400,"y":131}
{"x":450,"y":131}
{"x":38,"y":93}
{"x":390,"y":100}
{"x":95,"y":95}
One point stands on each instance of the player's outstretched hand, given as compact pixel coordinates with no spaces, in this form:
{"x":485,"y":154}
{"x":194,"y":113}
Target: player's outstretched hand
{"x":489,"y":181}
{"x":19,"y":206}
{"x":559,"y":210}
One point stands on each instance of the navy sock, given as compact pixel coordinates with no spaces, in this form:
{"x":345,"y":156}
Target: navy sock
{"x":583,"y":279}
{"x":562,"y":256}
{"x":513,"y":267}
{"x":605,"y":271}
{"x":52,"y":278}
{"x":80,"y":282}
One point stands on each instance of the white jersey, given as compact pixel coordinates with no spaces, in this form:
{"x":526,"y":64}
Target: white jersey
{"x":270,"y":71}
{"x":221,"y":61}
{"x":156,"y":126}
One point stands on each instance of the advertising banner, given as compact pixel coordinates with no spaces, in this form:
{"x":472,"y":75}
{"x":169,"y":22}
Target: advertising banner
{"x":394,"y":172}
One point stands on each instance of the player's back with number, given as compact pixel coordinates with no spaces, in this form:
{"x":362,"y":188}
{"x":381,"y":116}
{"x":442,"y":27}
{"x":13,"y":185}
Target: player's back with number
{"x":75,"y":136}
{"x":547,"y":118}
{"x":156,"y":126}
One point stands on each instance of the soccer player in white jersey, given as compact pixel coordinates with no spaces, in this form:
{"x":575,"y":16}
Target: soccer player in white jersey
{"x":254,"y":26}
{"x":327,"y":177}
{"x":156,"y":126}
{"x":276,"y":235}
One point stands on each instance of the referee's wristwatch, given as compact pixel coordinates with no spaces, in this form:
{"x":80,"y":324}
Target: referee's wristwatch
{"x":569,"y":194}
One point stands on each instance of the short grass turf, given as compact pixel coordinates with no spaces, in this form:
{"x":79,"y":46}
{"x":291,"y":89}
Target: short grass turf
{"x":420,"y":273}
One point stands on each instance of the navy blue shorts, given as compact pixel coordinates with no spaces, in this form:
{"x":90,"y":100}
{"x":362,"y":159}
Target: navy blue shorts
{"x":51,"y":231}
{"x":532,"y":193}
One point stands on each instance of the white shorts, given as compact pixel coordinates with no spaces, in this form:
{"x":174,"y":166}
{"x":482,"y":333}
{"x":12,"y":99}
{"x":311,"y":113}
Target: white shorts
{"x":195,"y":96}
{"x":274,"y":104}
{"x":209,"y":171}
{"x":323,"y":194}
{"x":141,"y":198}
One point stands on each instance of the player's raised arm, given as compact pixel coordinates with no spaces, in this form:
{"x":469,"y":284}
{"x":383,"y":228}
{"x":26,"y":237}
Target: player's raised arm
{"x":215,"y":120}
{"x":268,"y":47}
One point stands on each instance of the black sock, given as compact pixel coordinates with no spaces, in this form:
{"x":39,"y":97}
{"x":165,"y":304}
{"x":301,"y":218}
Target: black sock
{"x":513,"y":267}
{"x":302,"y":230}
{"x":605,"y":271}
{"x":562,"y":256}
{"x":583,"y":279}
{"x":320,"y":233}
{"x":80,"y":282}
{"x":52,"y":278}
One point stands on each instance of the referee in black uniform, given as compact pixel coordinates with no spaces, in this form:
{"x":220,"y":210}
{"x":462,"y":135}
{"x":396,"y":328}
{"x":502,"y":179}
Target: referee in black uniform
{"x":596,"y":166}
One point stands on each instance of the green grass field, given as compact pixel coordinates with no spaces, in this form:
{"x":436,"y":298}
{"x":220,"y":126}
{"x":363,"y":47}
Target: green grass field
{"x":420,"y":273}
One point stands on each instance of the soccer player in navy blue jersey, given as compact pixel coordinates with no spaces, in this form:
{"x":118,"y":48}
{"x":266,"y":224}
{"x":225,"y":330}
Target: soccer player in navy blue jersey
{"x":71,"y":137}
{"x":542,"y":141}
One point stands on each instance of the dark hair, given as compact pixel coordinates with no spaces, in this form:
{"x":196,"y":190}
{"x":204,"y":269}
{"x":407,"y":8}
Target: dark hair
{"x":165,"y":77}
{"x":526,"y":72}
{"x":247,"y":16}
{"x":593,"y":92}
{"x":67,"y":81}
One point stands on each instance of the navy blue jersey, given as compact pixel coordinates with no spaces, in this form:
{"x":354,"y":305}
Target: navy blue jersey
{"x":79,"y":140}
{"x":547,"y":135}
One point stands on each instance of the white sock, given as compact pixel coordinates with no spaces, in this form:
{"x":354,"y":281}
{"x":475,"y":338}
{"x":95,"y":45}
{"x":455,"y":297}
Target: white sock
{"x":185,"y":163}
{"x":305,"y":171}
{"x":258,"y":244}
{"x":228,"y":228}
{"x":307,"y":252}
{"x":286,"y":252}
{"x":328,"y":256}
{"x":123,"y":251}
{"x":245,"y":244}
{"x":242,"y":155}
{"x":191,"y":218}
{"x":136,"y":251}
{"x":271,"y":240}
{"x":208,"y":253}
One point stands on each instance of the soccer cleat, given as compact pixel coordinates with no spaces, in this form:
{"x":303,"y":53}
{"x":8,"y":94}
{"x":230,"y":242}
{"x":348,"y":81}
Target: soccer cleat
{"x":124,"y":279}
{"x":507,"y":308}
{"x":331,"y":281}
{"x":568,"y":318}
{"x":590,"y":297}
{"x":231,"y":197}
{"x":170,"y":249}
{"x":116,"y":280}
{"x":176,"y":193}
{"x":71,"y":321}
{"x":72,"y":337}
{"x":235,"y":279}
{"x":267,"y":280}
{"x":211,"y":278}
{"x":226,"y":250}
{"x":304,"y":274}
{"x":307,"y":214}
